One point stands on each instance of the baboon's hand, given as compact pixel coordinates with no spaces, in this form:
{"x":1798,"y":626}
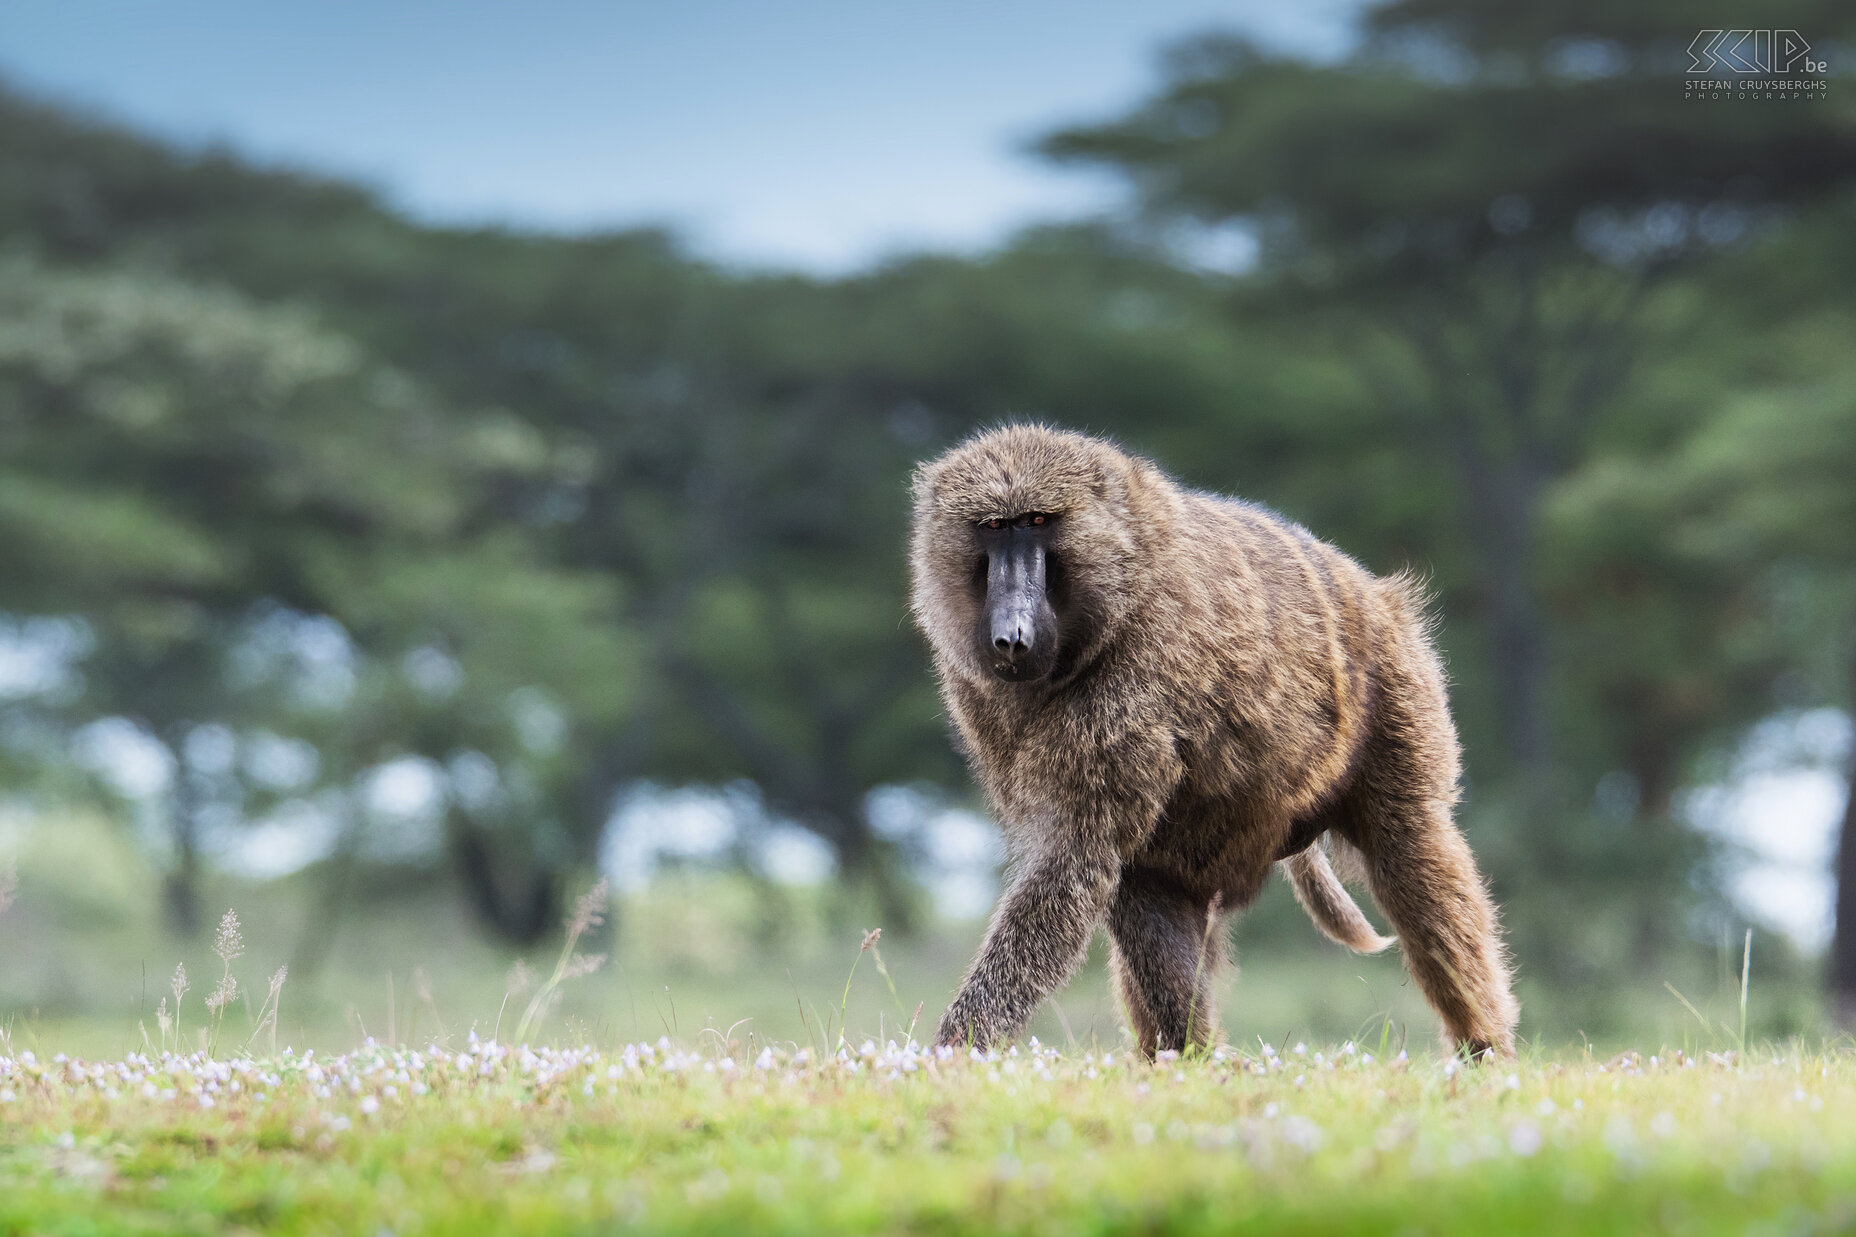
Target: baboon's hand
{"x":965,"y":1025}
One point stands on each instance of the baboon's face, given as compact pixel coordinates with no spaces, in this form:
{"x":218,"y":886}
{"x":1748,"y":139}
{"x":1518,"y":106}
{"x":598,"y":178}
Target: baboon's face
{"x":1019,"y":629}
{"x":1023,"y":553}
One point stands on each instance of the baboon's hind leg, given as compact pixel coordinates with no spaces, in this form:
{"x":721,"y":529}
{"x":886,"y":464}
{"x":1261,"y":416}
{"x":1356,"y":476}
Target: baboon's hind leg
{"x":1164,"y":954}
{"x":1424,"y":878}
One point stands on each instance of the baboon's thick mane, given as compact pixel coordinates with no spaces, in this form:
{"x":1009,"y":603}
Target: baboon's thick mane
{"x":1009,"y":472}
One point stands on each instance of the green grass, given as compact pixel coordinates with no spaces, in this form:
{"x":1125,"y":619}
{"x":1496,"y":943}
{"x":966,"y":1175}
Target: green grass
{"x":712,"y":1136}
{"x":694,"y":1135}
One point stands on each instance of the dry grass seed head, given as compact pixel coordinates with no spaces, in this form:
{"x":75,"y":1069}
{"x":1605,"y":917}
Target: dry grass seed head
{"x":520,"y":979}
{"x":589,"y":910}
{"x":583,"y":964}
{"x":230,"y":942}
{"x":223,"y":994}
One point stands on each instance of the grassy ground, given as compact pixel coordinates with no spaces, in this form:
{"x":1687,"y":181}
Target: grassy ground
{"x":716,"y":1136}
{"x":709,"y":1093}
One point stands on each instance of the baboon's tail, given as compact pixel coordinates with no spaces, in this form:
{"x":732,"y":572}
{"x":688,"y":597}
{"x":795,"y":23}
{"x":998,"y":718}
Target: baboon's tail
{"x":1327,"y":902}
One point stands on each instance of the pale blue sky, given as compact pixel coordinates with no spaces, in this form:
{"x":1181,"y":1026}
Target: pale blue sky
{"x":822,"y":134}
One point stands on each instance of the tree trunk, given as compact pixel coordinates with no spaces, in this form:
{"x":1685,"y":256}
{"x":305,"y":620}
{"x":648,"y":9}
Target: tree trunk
{"x":1506,"y":503}
{"x":1842,"y":977}
{"x":866,"y":862}
{"x":1503,"y":468}
{"x":317,"y":939}
{"x":519,"y":907}
{"x":181,"y":886}
{"x":180,"y":891}
{"x":1521,"y":667}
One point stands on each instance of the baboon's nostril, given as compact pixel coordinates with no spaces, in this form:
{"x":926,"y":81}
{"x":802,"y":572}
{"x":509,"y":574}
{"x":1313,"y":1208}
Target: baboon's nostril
{"x":1015,"y":644}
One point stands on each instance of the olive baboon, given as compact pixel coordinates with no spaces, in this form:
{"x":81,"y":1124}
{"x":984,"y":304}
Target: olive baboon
{"x":1164,"y":692}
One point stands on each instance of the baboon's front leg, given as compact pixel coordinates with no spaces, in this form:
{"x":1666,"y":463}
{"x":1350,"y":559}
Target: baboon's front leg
{"x":1165,"y":955}
{"x":1038,"y":935}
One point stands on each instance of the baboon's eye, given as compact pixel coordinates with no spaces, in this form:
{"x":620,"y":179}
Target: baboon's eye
{"x":1038,"y":519}
{"x":994,"y":523}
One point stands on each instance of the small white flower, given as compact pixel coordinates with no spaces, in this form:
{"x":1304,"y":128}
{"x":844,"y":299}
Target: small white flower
{"x":1302,"y":1133}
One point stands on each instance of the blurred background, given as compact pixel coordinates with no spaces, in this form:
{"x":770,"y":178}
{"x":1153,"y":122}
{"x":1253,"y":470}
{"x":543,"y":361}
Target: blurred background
{"x":450,"y":455}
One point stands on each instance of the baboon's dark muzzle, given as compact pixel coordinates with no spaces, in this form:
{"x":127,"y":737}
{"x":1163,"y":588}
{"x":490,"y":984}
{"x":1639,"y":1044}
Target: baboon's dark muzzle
{"x":1018,"y":624}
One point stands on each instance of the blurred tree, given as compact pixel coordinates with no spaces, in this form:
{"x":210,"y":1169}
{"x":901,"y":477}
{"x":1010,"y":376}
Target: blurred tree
{"x":174,"y":456}
{"x":507,"y":669}
{"x":1477,"y":210}
{"x":583,"y":512}
{"x":1487,"y":216}
{"x":1755,"y":509}
{"x":172,"y":453}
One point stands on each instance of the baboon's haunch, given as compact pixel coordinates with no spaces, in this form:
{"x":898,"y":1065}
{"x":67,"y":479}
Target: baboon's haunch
{"x":1164,"y":692}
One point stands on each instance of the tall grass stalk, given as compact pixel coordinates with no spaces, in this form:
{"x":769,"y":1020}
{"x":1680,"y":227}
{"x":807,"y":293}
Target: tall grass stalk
{"x":229,"y":944}
{"x":876,"y":955}
{"x":1698,"y":1015}
{"x":588,"y":913}
{"x":870,"y":939}
{"x":179,"y":987}
{"x":267,"y":1013}
{"x":1746,"y":974}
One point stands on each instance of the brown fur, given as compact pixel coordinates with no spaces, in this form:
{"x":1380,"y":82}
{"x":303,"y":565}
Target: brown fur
{"x":1232,"y":690}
